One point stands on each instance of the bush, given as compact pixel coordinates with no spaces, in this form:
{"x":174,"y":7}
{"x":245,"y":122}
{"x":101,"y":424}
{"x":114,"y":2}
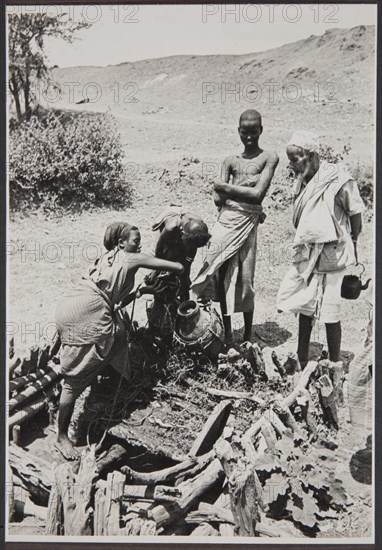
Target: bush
{"x":71,"y":161}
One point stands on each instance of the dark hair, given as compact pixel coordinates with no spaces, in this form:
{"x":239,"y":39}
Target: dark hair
{"x":116,"y":231}
{"x":195,"y":233}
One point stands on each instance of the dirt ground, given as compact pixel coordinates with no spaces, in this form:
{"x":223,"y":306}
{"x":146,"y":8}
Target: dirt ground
{"x":173,"y":161}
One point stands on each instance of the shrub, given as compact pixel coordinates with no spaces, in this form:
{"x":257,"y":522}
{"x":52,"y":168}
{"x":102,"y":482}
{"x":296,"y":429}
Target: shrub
{"x":71,"y":161}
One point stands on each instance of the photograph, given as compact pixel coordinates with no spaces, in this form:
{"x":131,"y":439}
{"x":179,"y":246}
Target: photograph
{"x":190,"y":273}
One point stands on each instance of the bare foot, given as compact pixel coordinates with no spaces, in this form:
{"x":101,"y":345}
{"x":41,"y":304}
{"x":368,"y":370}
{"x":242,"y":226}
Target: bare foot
{"x":228,"y":340}
{"x":65,"y":446}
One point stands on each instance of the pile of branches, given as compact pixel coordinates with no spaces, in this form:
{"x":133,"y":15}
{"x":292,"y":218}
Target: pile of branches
{"x":231,"y":482}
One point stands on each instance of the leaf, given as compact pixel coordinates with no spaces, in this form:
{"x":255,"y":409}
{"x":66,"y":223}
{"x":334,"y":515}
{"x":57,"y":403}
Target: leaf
{"x":268,"y":463}
{"x":303,"y":508}
{"x":277,"y":485}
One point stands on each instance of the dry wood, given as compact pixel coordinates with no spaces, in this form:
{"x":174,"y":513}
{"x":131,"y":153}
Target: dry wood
{"x":111,"y":459}
{"x":33,"y":472}
{"x":75,"y":490}
{"x":54,"y":519}
{"x":192,"y":490}
{"x":18,"y":383}
{"x":112,"y":505}
{"x":159,"y":475}
{"x":202,"y":462}
{"x":212,"y":429}
{"x":12,"y":365}
{"x":43,"y":357}
{"x":33,"y":390}
{"x":236,"y":395}
{"x":327,"y":397}
{"x":16,"y":435}
{"x":286,"y":416}
{"x":306,"y":375}
{"x":151,"y":492}
{"x":99,"y":508}
{"x":25,"y":507}
{"x":306,"y":404}
{"x":292,"y":364}
{"x":10,"y":495}
{"x":29,"y":410}
{"x":242,"y":489}
{"x":204,"y":530}
{"x":226,"y":530}
{"x":338,"y":377}
{"x":134,"y":437}
{"x":210,"y":513}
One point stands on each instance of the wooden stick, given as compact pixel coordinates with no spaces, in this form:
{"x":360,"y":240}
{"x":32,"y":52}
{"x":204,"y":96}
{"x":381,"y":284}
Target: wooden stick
{"x":236,"y":395}
{"x":212,"y":429}
{"x":242,"y":489}
{"x":33,"y":390}
{"x":75,"y":491}
{"x":29,"y":411}
{"x":302,"y":383}
{"x":191,"y":493}
{"x":18,"y":383}
{"x":54,"y":519}
{"x":159,"y":476}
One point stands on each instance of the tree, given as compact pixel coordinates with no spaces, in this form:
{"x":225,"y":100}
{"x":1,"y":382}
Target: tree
{"x":27,"y":60}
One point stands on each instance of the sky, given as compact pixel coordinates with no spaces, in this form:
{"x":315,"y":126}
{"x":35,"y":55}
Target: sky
{"x":130,"y":32}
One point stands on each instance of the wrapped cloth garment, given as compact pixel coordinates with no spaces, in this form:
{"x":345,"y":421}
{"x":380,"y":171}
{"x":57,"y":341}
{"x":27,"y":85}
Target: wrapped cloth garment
{"x":91,"y":333}
{"x":321,"y":216}
{"x":233,"y":240}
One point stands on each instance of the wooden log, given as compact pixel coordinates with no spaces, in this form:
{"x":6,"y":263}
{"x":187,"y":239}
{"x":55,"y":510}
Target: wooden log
{"x":202,"y":462}
{"x":11,"y":510}
{"x":258,"y":360}
{"x":226,"y":530}
{"x":25,"y":507}
{"x":210,"y":513}
{"x":16,"y":435}
{"x":338,"y":377}
{"x":34,"y":353}
{"x":292,"y":364}
{"x":33,"y":390}
{"x":133,"y":436}
{"x":54,"y":519}
{"x":112,"y":459}
{"x":192,"y":490}
{"x":99,"y":508}
{"x":269,"y":435}
{"x":18,"y":383}
{"x":306,"y":405}
{"x":242,"y":489}
{"x":75,"y":490}
{"x":114,"y":490}
{"x":159,"y":476}
{"x":29,"y":410}
{"x":276,"y":423}
{"x":305,"y":378}
{"x":327,"y":398}
{"x":212,"y":429}
{"x":150,"y":492}
{"x":286,"y":416}
{"x":205,"y":530}
{"x":236,"y":395}
{"x":31,"y":473}
{"x":12,"y":365}
{"x":280,"y":368}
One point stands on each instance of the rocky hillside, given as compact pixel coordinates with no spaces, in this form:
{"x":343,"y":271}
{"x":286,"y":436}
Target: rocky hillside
{"x":325,"y":82}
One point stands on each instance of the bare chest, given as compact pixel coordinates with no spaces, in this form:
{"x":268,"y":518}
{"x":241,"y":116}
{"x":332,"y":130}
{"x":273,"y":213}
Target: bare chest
{"x":246,"y":169}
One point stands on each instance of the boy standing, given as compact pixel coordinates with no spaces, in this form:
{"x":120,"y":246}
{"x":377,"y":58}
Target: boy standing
{"x":228,"y":272}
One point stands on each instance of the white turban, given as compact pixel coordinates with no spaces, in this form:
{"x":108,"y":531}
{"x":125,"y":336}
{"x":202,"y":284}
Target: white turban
{"x":306,"y":140}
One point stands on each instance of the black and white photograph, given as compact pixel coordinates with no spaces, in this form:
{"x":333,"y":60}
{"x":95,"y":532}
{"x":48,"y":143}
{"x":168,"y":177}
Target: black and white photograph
{"x":190,"y":263}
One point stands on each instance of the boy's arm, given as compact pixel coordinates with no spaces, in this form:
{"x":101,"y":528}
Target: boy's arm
{"x":252,"y":195}
{"x":225,"y":174}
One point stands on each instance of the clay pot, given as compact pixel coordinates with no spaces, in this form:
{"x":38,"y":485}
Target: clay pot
{"x":199,"y":328}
